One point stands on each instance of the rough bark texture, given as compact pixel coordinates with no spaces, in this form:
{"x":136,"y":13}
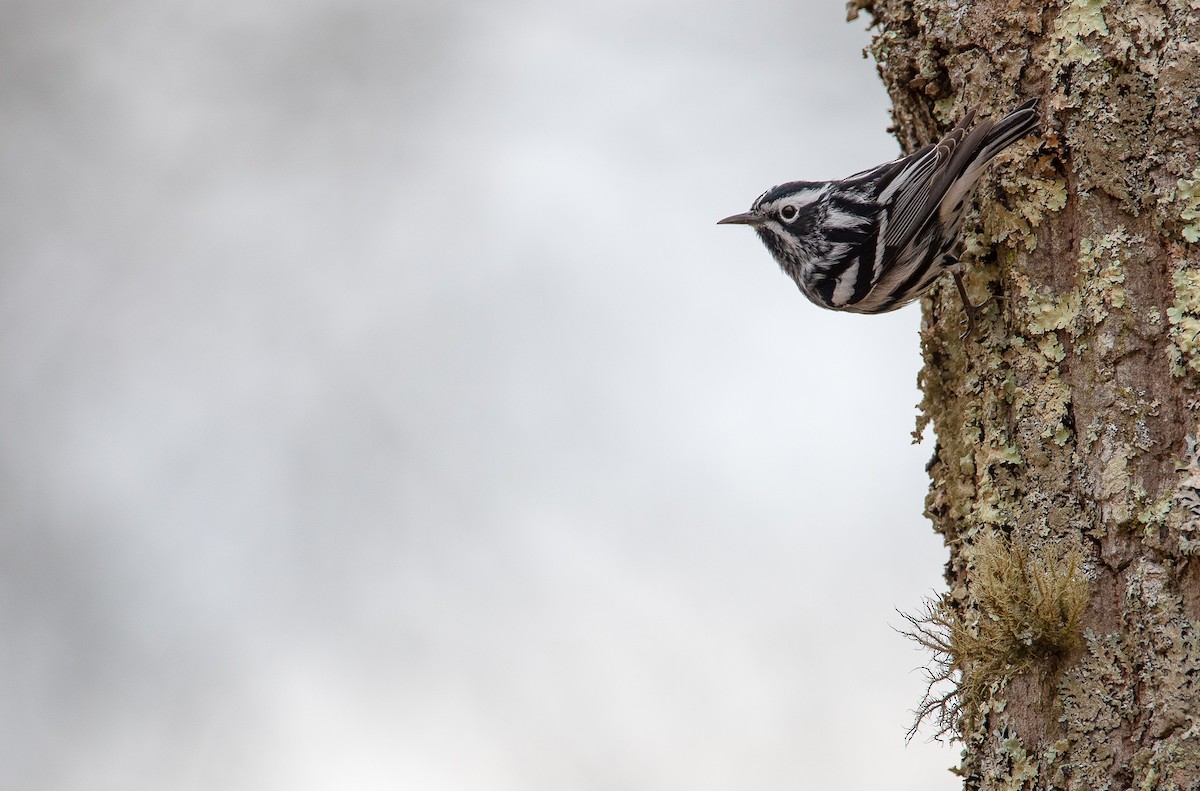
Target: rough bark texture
{"x":1069,"y":420}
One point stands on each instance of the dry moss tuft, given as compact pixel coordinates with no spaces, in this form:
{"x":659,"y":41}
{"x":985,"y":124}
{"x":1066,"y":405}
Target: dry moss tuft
{"x":1023,"y":613}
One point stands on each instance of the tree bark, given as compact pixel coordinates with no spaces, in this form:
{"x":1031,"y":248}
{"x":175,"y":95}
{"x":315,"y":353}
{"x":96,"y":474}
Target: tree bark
{"x":1065,"y":463}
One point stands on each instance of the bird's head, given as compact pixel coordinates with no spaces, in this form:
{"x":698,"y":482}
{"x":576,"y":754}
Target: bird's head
{"x":785,"y":218}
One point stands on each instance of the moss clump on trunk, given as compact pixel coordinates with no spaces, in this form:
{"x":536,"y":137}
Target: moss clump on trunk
{"x":1025,"y":616}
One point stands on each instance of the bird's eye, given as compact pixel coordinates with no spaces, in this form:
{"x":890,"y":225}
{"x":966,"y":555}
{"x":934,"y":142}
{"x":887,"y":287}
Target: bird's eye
{"x":788,"y":213}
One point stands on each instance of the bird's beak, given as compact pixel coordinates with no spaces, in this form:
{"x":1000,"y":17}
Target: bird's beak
{"x":747,"y":218}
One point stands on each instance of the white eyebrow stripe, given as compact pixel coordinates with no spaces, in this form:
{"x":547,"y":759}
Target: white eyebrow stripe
{"x":804,"y":197}
{"x":817,"y":193}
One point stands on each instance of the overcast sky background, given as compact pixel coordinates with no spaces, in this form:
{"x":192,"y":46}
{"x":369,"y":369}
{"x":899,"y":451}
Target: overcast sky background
{"x":383,"y":408}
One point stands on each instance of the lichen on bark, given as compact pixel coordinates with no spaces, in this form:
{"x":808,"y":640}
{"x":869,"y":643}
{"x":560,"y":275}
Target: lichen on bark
{"x":1068,"y":417}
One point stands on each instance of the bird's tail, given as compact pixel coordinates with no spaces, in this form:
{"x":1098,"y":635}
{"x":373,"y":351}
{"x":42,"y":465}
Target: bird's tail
{"x":1009,"y":130}
{"x":985,"y":140}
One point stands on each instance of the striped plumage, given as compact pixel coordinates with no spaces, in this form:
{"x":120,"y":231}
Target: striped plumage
{"x":879,"y":239}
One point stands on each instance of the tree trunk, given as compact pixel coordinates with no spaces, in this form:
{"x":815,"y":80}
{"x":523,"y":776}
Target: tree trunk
{"x":1066,"y":478}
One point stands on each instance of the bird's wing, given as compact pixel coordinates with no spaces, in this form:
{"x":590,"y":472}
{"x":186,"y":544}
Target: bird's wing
{"x":915,"y":193}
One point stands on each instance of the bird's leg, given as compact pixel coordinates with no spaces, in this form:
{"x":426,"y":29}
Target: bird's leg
{"x":971,"y":309}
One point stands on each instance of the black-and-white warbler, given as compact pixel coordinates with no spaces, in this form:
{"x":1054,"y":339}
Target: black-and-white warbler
{"x":879,"y":239}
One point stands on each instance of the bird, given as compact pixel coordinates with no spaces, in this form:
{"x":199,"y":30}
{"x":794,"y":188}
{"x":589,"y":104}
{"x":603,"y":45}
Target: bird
{"x":878,"y":240}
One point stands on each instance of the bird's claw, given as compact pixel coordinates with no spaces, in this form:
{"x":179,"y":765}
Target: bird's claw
{"x":969,"y":308}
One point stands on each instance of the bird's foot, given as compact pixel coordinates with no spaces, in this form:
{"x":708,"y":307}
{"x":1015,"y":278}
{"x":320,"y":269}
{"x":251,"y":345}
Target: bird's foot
{"x":969,"y":308}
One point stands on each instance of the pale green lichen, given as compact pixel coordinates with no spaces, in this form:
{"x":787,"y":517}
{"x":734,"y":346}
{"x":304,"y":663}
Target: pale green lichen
{"x":1021,"y":766}
{"x":1188,"y":193}
{"x":1112,"y":487}
{"x":946,"y":110}
{"x":1102,"y":272}
{"x":1077,"y":21}
{"x":1184,"y":316}
{"x":1183,"y":504}
{"x":996,"y":451}
{"x":1102,"y":263}
{"x":1051,"y":406}
{"x":1037,"y":192}
{"x":1097,"y":696}
{"x":1050,"y":346}
{"x":1050,"y":760}
{"x":984,"y":456}
{"x":1046,"y":312}
{"x":1108,"y":689}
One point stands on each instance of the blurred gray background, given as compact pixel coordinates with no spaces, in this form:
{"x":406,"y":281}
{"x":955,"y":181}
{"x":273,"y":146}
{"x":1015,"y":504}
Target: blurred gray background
{"x":382,"y":408}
